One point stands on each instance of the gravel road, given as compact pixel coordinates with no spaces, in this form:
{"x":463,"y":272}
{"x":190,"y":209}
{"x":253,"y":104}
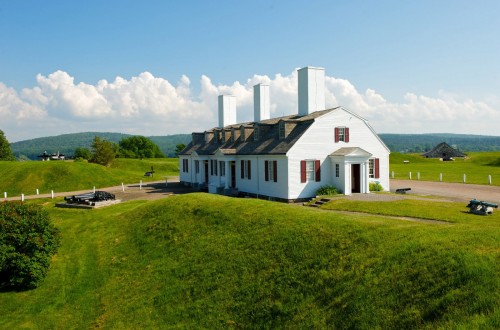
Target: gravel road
{"x":453,"y":191}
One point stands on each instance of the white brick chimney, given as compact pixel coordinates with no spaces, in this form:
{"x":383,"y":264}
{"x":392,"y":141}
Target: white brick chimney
{"x":227,"y":110}
{"x":261,"y":102}
{"x":311,"y":90}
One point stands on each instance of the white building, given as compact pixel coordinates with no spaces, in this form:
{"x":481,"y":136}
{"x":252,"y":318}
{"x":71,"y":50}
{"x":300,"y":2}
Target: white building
{"x":287,"y":158}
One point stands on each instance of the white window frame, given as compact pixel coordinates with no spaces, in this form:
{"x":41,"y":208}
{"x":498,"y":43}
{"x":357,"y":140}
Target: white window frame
{"x":310,"y":170}
{"x":341,"y":134}
{"x":371,"y":168}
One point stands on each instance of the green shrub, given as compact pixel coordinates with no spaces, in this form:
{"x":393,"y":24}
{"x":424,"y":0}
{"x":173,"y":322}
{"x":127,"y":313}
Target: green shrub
{"x":27,"y":241}
{"x":327,"y":190}
{"x":376,"y":186}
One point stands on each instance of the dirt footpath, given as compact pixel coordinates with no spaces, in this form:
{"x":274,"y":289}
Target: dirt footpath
{"x":453,"y":191}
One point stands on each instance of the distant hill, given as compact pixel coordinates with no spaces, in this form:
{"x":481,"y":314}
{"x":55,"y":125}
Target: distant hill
{"x":408,"y":143}
{"x":67,"y":143}
{"x":405,"y":143}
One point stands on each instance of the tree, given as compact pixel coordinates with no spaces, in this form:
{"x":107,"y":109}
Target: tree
{"x":179,"y":148}
{"x":103,"y":152}
{"x":139,"y":147}
{"x":28,"y":240}
{"x":5,"y":150}
{"x":81,"y":152}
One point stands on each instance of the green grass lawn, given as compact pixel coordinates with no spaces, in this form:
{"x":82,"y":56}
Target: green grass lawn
{"x":26,"y":177}
{"x":477,"y":167}
{"x":208,"y":261}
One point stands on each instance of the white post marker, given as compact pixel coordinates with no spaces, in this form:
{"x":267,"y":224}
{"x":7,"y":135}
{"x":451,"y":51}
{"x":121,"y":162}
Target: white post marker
{"x":52,"y":194}
{"x":22,"y":197}
{"x":418,"y":176}
{"x":37,"y":192}
{"x":140,"y":185}
{"x":489,"y":179}
{"x":465,"y":177}
{"x":393,"y":174}
{"x":94,"y":189}
{"x":5,"y":195}
{"x":123,"y":187}
{"x":440,"y":177}
{"x":409,"y":175}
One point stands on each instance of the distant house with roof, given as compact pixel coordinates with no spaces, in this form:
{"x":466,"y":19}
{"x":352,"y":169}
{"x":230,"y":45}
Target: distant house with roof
{"x":286,"y":158}
{"x":444,"y":151}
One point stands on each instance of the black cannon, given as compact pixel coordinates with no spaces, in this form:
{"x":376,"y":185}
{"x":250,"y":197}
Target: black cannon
{"x":90,"y":198}
{"x":480,"y":207}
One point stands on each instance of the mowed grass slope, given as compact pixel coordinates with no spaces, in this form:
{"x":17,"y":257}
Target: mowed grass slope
{"x":26,"y":177}
{"x":208,"y":261}
{"x":477,"y":167}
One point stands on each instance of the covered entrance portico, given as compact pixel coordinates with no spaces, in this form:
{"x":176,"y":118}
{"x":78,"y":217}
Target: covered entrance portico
{"x":350,"y":170}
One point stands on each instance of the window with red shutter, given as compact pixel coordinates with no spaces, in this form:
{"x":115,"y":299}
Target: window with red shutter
{"x":346,"y":132}
{"x":266,"y":170}
{"x":303,"y":171}
{"x":317,"y":167}
{"x":377,"y":168}
{"x":336,"y":134}
{"x":275,"y":170}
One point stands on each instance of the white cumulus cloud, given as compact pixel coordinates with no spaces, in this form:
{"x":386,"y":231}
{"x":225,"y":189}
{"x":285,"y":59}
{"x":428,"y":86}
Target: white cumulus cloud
{"x":150,"y":105}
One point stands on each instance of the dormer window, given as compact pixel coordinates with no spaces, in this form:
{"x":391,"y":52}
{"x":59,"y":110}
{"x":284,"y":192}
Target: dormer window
{"x":242,"y":133}
{"x":282,"y":130}
{"x":256,"y":133}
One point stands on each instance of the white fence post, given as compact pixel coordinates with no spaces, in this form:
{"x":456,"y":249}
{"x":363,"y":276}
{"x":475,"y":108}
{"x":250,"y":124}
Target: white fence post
{"x":418,"y":176}
{"x":440,"y":177}
{"x":140,"y":185}
{"x":409,"y":174}
{"x":94,"y":189}
{"x":37,"y":192}
{"x":123,"y":187}
{"x":5,"y":195}
{"x":52,"y":194}
{"x":22,"y":197}
{"x":393,"y":174}
{"x":465,"y":178}
{"x":489,"y":179}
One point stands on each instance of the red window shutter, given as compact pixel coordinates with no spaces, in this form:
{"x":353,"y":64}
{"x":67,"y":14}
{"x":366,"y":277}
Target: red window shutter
{"x":275,"y":170}
{"x":336,"y":134}
{"x":302,"y":171}
{"x":317,"y":167}
{"x":249,"y":171}
{"x":242,"y":169}
{"x":377,"y":168}
{"x":346,"y":130}
{"x":266,"y":170}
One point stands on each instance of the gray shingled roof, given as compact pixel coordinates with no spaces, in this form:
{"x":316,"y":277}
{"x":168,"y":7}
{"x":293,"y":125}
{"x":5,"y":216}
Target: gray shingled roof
{"x":269,"y":142}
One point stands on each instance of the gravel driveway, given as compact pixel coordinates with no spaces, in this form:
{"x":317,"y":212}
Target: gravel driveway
{"x":453,"y":191}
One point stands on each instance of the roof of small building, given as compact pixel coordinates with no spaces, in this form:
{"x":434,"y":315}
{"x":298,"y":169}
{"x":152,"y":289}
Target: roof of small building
{"x":443,"y":150}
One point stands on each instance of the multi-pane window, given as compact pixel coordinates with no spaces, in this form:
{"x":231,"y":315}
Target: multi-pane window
{"x":341,"y":134}
{"x":310,"y":170}
{"x":271,"y":170}
{"x":246,"y":169}
{"x":185,"y":163}
{"x":282,"y":129}
{"x":337,"y":170}
{"x":197,"y":166}
{"x":213,"y":167}
{"x":222,"y":168}
{"x":256,"y":133}
{"x":373,"y":168}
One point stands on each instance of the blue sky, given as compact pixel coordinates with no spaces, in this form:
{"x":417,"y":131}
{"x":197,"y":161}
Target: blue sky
{"x":156,"y":67}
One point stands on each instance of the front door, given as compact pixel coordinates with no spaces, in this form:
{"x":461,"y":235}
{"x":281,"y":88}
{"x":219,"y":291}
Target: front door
{"x":233,"y":174}
{"x":206,"y":171}
{"x":355,"y":178}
